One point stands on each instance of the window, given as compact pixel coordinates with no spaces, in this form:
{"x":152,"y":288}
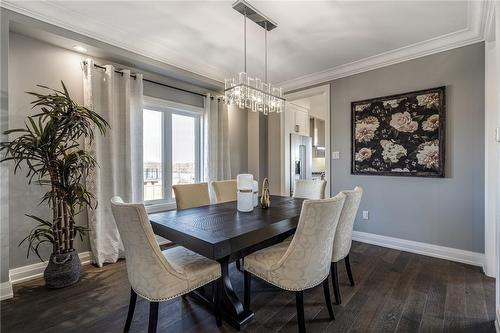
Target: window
{"x":171,"y":148}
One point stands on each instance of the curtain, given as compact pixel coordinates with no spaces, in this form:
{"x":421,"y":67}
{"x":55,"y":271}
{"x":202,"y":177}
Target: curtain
{"x":118,"y":98}
{"x":217,"y":165}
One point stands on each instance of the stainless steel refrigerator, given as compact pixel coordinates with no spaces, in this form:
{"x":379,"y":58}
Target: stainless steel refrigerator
{"x":300,"y":159}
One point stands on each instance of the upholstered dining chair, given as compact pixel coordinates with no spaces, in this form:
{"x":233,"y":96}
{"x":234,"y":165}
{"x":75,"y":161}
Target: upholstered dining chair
{"x":224,"y":190}
{"x":155,"y":275}
{"x":191,"y":195}
{"x":309,"y":189}
{"x":304,"y":262}
{"x":343,"y":238}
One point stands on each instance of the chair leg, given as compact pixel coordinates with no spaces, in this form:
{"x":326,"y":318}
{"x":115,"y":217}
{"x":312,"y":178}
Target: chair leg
{"x":238,"y":264}
{"x":328,"y":300}
{"x":248,"y":286}
{"x":131,"y":308}
{"x":217,"y":310}
{"x":348,"y":268}
{"x":335,"y":283}
{"x":299,"y":299}
{"x":153,"y":316}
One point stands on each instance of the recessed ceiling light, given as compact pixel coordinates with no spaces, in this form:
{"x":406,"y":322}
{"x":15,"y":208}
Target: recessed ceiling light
{"x":79,"y":48}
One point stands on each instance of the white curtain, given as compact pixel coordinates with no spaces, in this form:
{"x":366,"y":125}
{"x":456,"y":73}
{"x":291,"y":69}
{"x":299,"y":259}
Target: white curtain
{"x":118,"y":98}
{"x":217,"y":165}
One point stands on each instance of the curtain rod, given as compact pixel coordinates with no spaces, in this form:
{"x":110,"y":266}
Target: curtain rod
{"x":154,"y":82}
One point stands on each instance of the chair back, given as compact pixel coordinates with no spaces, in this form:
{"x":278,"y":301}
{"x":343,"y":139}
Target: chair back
{"x":306,"y":262}
{"x":191,"y":195}
{"x":225,"y":190}
{"x":309,"y":189}
{"x":343,"y":236}
{"x":149,"y":272}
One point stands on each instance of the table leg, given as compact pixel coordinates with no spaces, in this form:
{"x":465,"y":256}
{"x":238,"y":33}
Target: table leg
{"x":231,"y":306}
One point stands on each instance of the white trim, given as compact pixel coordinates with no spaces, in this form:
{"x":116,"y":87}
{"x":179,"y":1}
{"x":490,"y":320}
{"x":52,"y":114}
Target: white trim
{"x":497,"y":321}
{"x":155,"y":208}
{"x":479,"y":14}
{"x":6,"y":290}
{"x":478,"y":18}
{"x":491,"y":121}
{"x":431,"y":250}
{"x":489,"y":22}
{"x":162,"y":104}
{"x":160,"y":54}
{"x":30,"y":272}
{"x":319,"y":90}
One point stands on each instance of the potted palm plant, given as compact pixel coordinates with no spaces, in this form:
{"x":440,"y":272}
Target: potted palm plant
{"x":50,"y":148}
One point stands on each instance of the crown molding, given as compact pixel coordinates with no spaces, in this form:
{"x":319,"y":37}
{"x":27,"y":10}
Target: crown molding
{"x":165,"y":56}
{"x":489,"y":22}
{"x":479,"y":13}
{"x":480,"y":16}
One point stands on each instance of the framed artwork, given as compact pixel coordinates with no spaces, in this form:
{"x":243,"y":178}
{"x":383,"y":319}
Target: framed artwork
{"x":400,"y":135}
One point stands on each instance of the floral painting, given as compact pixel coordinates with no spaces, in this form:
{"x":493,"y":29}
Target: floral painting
{"x":400,"y":135}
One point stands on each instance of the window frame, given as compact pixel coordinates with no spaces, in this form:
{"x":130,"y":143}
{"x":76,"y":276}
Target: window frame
{"x":168,"y":109}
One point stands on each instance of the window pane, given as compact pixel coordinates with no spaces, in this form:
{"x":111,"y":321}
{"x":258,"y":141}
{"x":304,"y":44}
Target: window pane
{"x":153,"y":180}
{"x":183,"y":149}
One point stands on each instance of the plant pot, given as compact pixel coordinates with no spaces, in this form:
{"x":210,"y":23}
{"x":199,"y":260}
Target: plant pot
{"x":63,"y":270}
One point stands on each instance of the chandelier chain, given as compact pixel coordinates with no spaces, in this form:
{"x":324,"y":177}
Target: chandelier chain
{"x":249,"y":92}
{"x":265,"y":50}
{"x":245,"y":40}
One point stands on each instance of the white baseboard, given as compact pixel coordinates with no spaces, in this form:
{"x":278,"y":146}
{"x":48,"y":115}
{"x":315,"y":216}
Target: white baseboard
{"x":431,"y":250}
{"x":30,"y":272}
{"x":6,"y":290}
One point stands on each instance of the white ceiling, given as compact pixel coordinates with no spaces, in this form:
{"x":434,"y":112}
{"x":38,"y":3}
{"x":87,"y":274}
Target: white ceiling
{"x":205,"y":37}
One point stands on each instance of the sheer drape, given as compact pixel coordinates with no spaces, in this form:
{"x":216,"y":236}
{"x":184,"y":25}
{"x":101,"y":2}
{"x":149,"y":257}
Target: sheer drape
{"x":119,"y":99}
{"x":217,"y":163}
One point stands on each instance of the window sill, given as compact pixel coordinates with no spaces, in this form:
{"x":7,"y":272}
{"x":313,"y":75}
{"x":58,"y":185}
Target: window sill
{"x":159,"y":207}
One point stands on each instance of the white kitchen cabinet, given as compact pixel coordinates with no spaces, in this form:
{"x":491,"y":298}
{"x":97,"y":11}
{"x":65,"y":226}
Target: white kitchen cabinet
{"x":301,"y":125}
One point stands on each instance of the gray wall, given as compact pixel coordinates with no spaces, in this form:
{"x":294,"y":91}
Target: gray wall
{"x":449,"y":211}
{"x":4,"y":168}
{"x":34,"y":62}
{"x":238,"y":140}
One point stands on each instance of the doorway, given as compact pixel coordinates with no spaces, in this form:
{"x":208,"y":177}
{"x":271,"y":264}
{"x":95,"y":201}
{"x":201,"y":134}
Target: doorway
{"x":306,"y":119}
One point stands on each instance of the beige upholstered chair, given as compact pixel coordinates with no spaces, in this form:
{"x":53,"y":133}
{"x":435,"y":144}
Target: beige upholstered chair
{"x":304,"y":262}
{"x":191,"y":195}
{"x":155,"y":275}
{"x":224,"y":190}
{"x":309,"y":189}
{"x":343,"y":238}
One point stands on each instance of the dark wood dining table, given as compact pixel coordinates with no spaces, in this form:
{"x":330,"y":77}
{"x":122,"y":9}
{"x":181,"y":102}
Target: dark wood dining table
{"x":222,"y":233}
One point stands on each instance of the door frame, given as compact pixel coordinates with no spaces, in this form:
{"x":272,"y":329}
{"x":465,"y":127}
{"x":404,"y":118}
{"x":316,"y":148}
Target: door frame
{"x":304,"y":93}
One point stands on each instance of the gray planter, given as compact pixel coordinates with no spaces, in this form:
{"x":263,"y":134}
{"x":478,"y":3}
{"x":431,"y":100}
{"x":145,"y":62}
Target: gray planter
{"x":63,"y":270}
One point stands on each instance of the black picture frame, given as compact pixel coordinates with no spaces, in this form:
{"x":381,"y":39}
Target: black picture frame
{"x":384,"y":129}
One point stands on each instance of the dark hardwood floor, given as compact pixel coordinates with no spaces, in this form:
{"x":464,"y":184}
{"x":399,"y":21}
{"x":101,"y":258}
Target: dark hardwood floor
{"x":395,"y":292}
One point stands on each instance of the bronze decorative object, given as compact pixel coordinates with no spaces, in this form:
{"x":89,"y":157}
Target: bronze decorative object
{"x":265,"y":199}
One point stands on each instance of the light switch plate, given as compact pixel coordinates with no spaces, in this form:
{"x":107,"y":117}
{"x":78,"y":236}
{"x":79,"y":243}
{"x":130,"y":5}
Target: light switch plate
{"x":498,"y":134}
{"x":335,"y":155}
{"x":366,"y":215}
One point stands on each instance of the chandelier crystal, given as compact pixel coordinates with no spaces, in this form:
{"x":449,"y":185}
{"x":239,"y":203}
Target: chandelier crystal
{"x":251,"y":92}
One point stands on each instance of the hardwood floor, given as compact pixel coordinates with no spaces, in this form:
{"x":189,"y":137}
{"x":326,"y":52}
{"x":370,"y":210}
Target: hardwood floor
{"x":395,"y":292}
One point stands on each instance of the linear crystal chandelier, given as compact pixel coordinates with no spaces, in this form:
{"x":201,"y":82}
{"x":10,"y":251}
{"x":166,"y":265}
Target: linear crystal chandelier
{"x":251,"y":92}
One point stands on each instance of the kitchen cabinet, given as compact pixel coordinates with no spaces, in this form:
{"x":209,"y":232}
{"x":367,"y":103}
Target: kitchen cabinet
{"x":301,"y":126}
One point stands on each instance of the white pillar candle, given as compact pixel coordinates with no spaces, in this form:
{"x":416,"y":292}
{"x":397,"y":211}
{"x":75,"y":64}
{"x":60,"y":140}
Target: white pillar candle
{"x":245,"y":192}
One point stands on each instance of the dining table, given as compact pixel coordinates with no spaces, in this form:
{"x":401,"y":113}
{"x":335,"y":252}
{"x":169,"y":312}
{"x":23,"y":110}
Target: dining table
{"x":222,"y":233}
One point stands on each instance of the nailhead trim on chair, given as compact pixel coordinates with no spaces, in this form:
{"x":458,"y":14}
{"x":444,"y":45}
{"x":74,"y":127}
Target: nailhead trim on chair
{"x":285,"y":288}
{"x":201,"y":284}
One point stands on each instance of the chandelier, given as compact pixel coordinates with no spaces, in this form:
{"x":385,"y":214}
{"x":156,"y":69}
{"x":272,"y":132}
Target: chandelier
{"x":251,"y":92}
